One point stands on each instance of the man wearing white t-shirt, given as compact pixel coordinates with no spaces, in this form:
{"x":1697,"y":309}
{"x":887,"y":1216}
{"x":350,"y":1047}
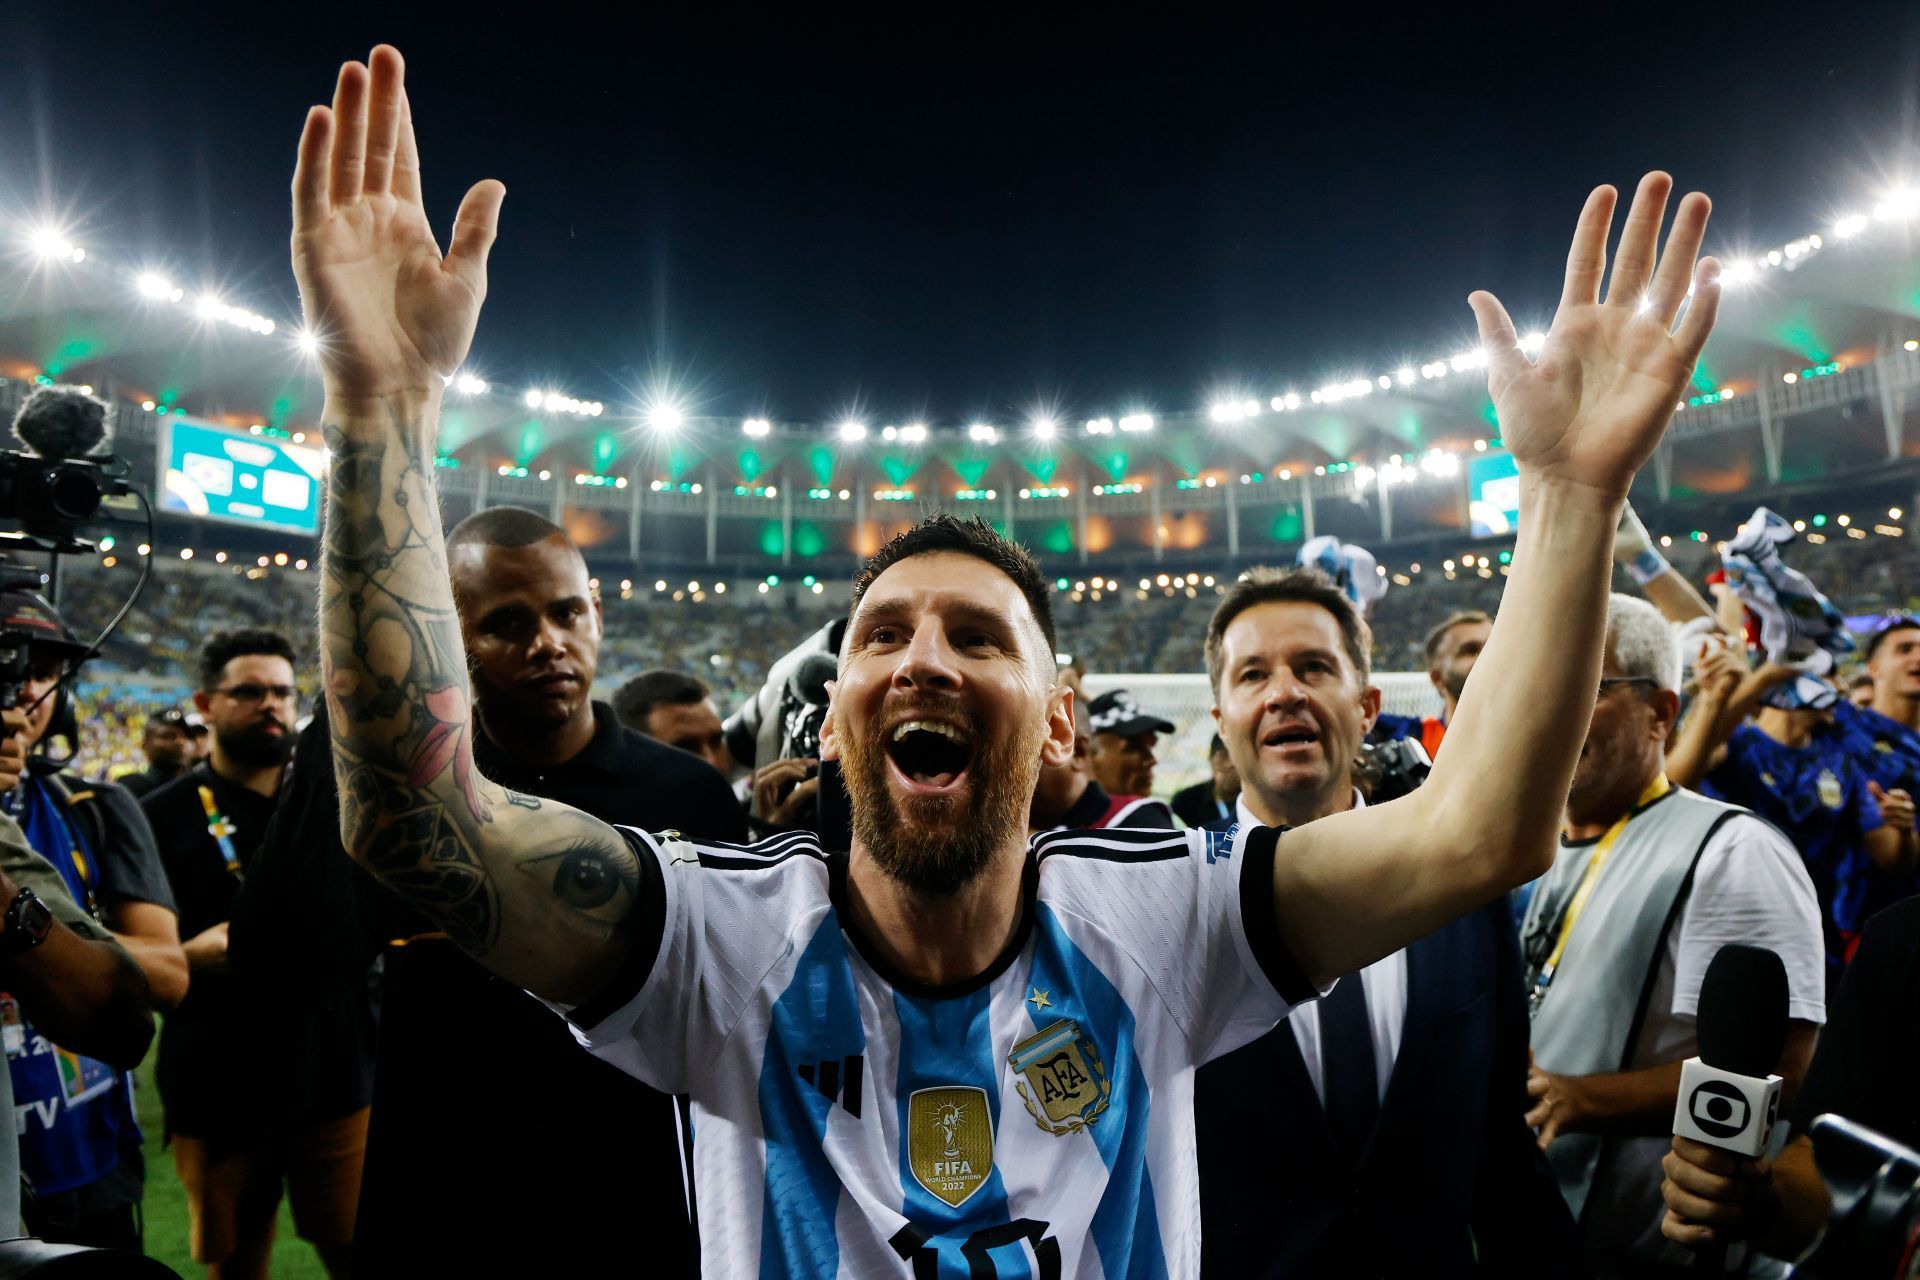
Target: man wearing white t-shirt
{"x":947,"y":1051}
{"x":1614,"y":970}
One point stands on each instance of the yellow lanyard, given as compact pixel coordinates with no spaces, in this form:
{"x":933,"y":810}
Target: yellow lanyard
{"x":1596,"y":862}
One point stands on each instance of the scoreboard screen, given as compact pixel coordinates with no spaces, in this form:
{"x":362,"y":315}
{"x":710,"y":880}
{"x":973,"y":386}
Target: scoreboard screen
{"x":1493,"y":495}
{"x":224,"y":474}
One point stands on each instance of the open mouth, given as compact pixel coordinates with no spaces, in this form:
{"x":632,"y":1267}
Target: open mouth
{"x":1291,"y":738}
{"x":931,"y":755}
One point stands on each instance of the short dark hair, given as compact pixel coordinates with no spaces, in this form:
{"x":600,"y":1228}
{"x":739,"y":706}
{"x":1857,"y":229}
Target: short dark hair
{"x":1301,"y":585}
{"x":224,"y":646}
{"x":1898,"y":622}
{"x":504,"y":527}
{"x":635,"y":700}
{"x":1438,"y":636}
{"x":974,"y":537}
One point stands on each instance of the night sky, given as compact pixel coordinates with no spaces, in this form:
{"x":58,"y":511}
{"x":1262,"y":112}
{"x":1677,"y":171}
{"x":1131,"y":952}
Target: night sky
{"x":966,"y":215}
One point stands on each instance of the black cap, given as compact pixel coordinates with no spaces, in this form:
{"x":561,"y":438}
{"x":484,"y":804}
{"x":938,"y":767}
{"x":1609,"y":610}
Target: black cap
{"x":1117,"y":713}
{"x":178,"y":718}
{"x":29,"y":612}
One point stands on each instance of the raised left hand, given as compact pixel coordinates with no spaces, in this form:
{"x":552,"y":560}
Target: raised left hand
{"x":1590,"y":409}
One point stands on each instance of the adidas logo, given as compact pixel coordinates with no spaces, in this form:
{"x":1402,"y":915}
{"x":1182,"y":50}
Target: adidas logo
{"x":835,"y":1082}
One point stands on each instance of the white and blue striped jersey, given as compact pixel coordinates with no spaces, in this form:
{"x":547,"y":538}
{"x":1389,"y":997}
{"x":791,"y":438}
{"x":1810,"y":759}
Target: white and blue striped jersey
{"x":1034,"y":1122}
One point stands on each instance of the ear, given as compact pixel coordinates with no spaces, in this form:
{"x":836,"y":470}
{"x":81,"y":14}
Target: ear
{"x":1062,"y":738}
{"x":1370,"y":708}
{"x":201,"y":701}
{"x":1439,"y":685}
{"x":829,"y":735}
{"x":1666,"y":711}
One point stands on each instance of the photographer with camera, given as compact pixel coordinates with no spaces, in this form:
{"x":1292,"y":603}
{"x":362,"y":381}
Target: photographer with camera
{"x":1862,"y":1070}
{"x":84,"y":1154}
{"x":1400,"y":1094}
{"x":1650,"y":882}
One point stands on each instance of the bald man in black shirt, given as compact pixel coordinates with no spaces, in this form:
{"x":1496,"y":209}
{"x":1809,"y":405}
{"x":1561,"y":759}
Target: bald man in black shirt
{"x":456,"y":1042}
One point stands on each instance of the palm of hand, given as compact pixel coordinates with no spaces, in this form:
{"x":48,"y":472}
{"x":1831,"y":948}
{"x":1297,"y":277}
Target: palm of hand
{"x":1593,"y":406}
{"x":376,"y":288}
{"x":1591,"y":409}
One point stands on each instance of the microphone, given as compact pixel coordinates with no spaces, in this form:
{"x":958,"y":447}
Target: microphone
{"x":1729,"y":1095}
{"x":62,"y":422}
{"x":808,"y":683}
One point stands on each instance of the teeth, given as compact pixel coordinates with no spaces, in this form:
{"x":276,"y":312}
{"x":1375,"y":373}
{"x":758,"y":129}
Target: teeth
{"x":946,"y":731}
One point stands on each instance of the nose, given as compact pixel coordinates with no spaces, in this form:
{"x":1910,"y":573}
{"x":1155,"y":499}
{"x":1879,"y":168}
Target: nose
{"x":547,"y":640}
{"x":927,"y":662}
{"x":1284,"y":692}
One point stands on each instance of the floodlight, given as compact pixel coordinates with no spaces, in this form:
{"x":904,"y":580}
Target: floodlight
{"x":852,"y":430}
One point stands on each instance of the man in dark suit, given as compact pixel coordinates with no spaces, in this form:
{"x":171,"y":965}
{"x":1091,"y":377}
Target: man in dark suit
{"x":1378,"y":1131}
{"x":1211,"y":799}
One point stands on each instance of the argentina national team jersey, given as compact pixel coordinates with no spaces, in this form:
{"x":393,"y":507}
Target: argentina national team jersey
{"x":1035,"y":1122}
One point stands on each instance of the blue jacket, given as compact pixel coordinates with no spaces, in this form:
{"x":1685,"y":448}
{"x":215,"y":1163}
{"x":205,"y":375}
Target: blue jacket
{"x":1451,"y":1183}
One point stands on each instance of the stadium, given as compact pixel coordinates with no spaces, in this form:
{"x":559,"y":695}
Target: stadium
{"x":718,"y":543}
{"x":372,"y":910}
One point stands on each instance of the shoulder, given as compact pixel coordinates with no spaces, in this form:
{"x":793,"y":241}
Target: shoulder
{"x":1116,"y":846}
{"x":1747,"y":865}
{"x":174,"y":792}
{"x":794,"y":856}
{"x":1144,"y":811}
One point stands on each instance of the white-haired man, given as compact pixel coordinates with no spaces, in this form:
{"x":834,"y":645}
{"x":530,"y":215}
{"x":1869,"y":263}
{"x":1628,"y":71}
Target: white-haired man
{"x":1651,"y":881}
{"x":949,"y":1051}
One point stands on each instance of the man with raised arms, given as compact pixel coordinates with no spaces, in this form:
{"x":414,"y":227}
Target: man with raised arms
{"x":948,"y":1051}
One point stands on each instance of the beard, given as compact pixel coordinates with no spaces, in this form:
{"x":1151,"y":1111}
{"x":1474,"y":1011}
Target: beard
{"x":937,"y":845}
{"x":259,"y":747}
{"x":1456,"y":681}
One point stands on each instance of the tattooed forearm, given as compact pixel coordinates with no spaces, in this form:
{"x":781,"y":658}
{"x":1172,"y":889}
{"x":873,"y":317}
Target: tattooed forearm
{"x":413,"y":809}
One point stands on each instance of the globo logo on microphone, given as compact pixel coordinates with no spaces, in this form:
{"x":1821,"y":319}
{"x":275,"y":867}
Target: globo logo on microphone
{"x":1719,"y":1108}
{"x":1726,"y":1110}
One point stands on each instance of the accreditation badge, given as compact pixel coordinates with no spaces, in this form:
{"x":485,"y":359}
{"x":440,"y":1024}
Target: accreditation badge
{"x":1065,"y":1085}
{"x":950,"y":1141}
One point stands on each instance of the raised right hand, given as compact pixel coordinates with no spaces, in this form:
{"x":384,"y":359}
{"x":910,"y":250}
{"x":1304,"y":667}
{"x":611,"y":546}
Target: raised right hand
{"x":393,"y":315}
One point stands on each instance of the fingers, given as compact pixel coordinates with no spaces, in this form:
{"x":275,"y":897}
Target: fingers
{"x":1497,"y":336}
{"x":1873,"y":789}
{"x":1680,"y":1231}
{"x":1669,"y":287}
{"x":474,"y":229}
{"x":1639,"y":240}
{"x":348,"y":164}
{"x":406,"y":161}
{"x":797,"y":804}
{"x":1691,"y":336}
{"x":1587,"y":256}
{"x":387,"y":73}
{"x":310,"y":205}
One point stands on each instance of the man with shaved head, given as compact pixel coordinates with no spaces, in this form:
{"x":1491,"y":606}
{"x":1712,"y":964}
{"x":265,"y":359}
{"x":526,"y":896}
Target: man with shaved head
{"x":440,"y":1193}
{"x":949,"y":1050}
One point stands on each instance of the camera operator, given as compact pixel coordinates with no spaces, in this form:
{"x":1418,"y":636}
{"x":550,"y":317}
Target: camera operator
{"x":64,"y":980}
{"x":1650,"y":882}
{"x":1400,"y":1094}
{"x":84,"y":1157}
{"x":1862,"y":1070}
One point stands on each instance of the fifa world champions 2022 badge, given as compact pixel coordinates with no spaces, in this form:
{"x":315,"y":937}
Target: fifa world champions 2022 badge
{"x":1065,"y":1084}
{"x":950,"y":1141}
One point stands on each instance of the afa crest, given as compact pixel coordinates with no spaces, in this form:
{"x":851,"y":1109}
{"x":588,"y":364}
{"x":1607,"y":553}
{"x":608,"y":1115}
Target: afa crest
{"x":1065,"y":1085}
{"x":1827,"y":787}
{"x":950,"y":1141}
